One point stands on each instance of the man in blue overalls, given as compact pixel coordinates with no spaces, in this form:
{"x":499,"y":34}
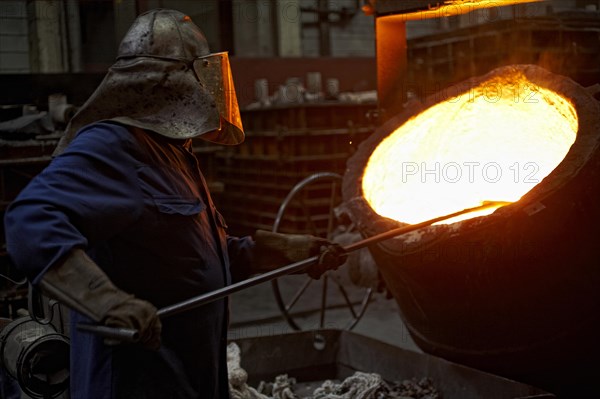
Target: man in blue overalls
{"x":121,"y":222}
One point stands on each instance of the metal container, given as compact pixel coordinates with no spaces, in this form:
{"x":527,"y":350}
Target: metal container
{"x":515,"y":292}
{"x":312,"y":357}
{"x":37,"y":356}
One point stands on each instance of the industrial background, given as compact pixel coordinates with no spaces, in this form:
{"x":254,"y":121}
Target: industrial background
{"x":314,"y":79}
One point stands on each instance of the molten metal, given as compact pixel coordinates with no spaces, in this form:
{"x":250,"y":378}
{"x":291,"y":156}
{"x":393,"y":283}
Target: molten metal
{"x":494,"y":142}
{"x":457,"y":7}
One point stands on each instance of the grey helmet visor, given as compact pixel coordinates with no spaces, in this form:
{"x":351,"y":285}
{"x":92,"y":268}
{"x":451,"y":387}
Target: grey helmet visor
{"x":214,"y":75}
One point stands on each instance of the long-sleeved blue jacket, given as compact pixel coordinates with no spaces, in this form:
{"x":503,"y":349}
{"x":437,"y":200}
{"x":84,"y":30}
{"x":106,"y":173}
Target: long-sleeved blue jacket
{"x":138,"y":204}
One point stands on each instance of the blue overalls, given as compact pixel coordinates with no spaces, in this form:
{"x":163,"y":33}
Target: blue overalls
{"x":138,"y":204}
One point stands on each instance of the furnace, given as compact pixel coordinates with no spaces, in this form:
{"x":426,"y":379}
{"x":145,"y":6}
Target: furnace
{"x":513,"y":292}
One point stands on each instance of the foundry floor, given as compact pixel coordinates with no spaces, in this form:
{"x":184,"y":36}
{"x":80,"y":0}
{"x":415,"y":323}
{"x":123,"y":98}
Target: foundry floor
{"x":254,"y":312}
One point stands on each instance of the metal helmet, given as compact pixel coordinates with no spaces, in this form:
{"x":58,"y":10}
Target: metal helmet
{"x":166,"y":80}
{"x":167,"y":34}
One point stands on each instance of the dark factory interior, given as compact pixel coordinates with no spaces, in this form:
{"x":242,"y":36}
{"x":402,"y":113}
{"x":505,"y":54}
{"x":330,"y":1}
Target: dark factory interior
{"x":321,"y":199}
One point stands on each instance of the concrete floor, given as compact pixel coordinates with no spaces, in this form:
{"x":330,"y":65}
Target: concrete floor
{"x":254,"y":312}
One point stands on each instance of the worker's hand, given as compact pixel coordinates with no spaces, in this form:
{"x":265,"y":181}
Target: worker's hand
{"x":275,"y":250}
{"x":136,"y":314}
{"x":331,"y":256}
{"x":80,"y":284}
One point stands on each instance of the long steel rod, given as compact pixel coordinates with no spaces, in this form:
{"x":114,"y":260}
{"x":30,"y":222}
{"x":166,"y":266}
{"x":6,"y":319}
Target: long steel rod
{"x":127,"y":335}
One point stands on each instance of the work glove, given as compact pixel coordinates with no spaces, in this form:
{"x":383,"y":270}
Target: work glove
{"x":275,"y":250}
{"x":81,"y":285}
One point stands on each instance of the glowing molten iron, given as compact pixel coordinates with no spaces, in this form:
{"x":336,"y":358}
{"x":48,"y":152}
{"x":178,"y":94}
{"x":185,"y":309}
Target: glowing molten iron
{"x":492,"y":143}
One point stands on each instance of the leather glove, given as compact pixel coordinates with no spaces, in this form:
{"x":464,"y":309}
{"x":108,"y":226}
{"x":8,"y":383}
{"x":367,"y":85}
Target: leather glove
{"x":275,"y":250}
{"x":81,"y":285}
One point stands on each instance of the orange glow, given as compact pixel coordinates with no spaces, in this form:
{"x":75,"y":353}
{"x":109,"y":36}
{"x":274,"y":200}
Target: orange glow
{"x":457,"y":7}
{"x":492,"y":143}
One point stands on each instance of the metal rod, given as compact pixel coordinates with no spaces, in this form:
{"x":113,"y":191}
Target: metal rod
{"x":127,"y":335}
{"x":114,"y":333}
{"x":412,"y":227}
{"x":212,"y":296}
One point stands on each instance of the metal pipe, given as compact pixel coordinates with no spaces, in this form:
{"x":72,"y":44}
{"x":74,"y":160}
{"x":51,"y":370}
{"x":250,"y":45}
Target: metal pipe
{"x":129,"y":335}
{"x":111,"y":333}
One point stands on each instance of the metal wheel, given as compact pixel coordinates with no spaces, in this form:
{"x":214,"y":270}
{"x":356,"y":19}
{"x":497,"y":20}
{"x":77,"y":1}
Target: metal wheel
{"x":304,"y":302}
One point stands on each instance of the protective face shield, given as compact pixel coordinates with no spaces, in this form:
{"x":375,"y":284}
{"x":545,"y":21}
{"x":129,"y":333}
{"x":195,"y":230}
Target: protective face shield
{"x":172,"y":36}
{"x":214,"y":74}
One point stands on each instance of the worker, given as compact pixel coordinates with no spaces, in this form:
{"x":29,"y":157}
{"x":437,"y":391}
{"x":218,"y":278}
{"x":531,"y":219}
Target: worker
{"x":121,"y":222}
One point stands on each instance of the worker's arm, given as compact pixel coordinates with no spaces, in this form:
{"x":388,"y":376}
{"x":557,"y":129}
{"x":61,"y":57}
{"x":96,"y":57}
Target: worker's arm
{"x":274,"y":250}
{"x":80,"y":284}
{"x":85,"y":196}
{"x":266,"y":251}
